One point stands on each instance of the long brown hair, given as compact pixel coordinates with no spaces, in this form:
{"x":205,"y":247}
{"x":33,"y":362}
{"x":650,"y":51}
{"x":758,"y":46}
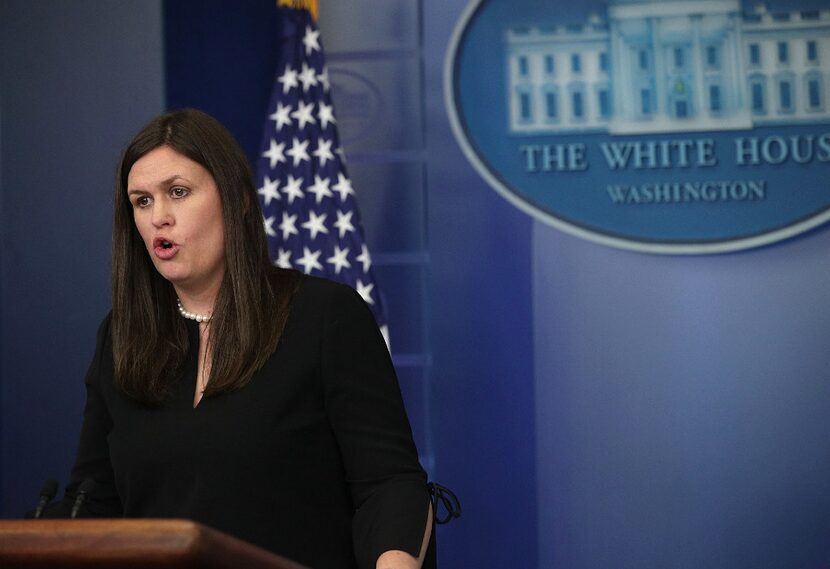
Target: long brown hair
{"x":149,"y":337}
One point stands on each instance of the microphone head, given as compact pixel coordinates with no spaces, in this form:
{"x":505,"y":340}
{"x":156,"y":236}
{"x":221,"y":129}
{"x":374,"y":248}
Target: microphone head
{"x":86,"y":486}
{"x":49,"y":489}
{"x":84,"y":490}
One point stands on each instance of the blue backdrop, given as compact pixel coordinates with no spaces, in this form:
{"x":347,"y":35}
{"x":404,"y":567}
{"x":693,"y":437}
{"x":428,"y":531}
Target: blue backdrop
{"x":78,"y":80}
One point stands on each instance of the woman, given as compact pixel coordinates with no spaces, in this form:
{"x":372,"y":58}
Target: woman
{"x":252,"y":399}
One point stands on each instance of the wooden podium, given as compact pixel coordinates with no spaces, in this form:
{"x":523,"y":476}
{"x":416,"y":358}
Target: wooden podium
{"x":119,"y":543}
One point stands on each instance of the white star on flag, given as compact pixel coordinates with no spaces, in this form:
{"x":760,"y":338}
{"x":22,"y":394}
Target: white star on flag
{"x":323,"y":78}
{"x":308,"y":77}
{"x":303,"y":114}
{"x":320,"y":188}
{"x":315,"y":224}
{"x":298,"y":151}
{"x":344,"y":222}
{"x":283,"y":259}
{"x":365,"y":290}
{"x":292,"y":189}
{"x":268,"y":223}
{"x":339,"y":259}
{"x":287,"y":226}
{"x":323,"y":152}
{"x":281,"y":116}
{"x":288,"y":79}
{"x":365,"y":258}
{"x":326,"y":115}
{"x":274,"y":153}
{"x":309,"y":260}
{"x":305,"y":190}
{"x":343,"y":187}
{"x":268,"y":191}
{"x":310,"y":40}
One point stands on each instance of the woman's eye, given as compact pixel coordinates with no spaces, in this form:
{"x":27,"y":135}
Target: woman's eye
{"x":178,"y":192}
{"x":143,"y":201}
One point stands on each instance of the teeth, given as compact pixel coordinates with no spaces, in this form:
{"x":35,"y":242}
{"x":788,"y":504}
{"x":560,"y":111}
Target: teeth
{"x":166,"y":244}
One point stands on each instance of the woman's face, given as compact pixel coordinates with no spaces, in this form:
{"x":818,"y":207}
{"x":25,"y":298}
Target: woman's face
{"x":177,"y":211}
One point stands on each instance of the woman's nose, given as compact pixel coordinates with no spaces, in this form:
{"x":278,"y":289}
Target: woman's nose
{"x":162,"y":215}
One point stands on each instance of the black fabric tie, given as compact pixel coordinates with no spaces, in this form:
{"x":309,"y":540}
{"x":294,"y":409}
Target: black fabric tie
{"x":446,"y":497}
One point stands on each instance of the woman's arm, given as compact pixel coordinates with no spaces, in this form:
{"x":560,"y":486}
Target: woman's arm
{"x":397,"y":559}
{"x":365,"y":408}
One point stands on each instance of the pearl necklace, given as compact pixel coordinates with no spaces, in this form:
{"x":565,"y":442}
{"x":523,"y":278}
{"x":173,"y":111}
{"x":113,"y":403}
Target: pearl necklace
{"x":192,"y":315}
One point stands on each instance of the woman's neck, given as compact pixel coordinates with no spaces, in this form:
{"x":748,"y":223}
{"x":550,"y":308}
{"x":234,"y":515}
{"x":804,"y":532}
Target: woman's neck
{"x":197,"y":301}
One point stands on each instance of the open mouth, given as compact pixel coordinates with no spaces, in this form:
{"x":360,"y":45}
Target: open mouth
{"x":161,"y":242}
{"x":164,"y":248}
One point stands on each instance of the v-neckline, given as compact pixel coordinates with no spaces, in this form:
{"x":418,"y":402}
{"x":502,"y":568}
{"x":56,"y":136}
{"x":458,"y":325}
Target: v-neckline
{"x":192,"y":382}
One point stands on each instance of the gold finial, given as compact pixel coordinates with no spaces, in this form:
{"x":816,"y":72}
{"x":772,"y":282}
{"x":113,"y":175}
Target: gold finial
{"x":310,"y":5}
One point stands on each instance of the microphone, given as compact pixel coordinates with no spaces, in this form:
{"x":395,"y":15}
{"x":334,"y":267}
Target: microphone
{"x":47,"y":492}
{"x":84,"y":490}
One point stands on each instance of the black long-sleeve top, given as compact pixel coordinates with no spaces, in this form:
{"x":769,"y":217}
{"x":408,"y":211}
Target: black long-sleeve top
{"x":313,"y":459}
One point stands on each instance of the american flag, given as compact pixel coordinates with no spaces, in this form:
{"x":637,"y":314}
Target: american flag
{"x":308,"y":203}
